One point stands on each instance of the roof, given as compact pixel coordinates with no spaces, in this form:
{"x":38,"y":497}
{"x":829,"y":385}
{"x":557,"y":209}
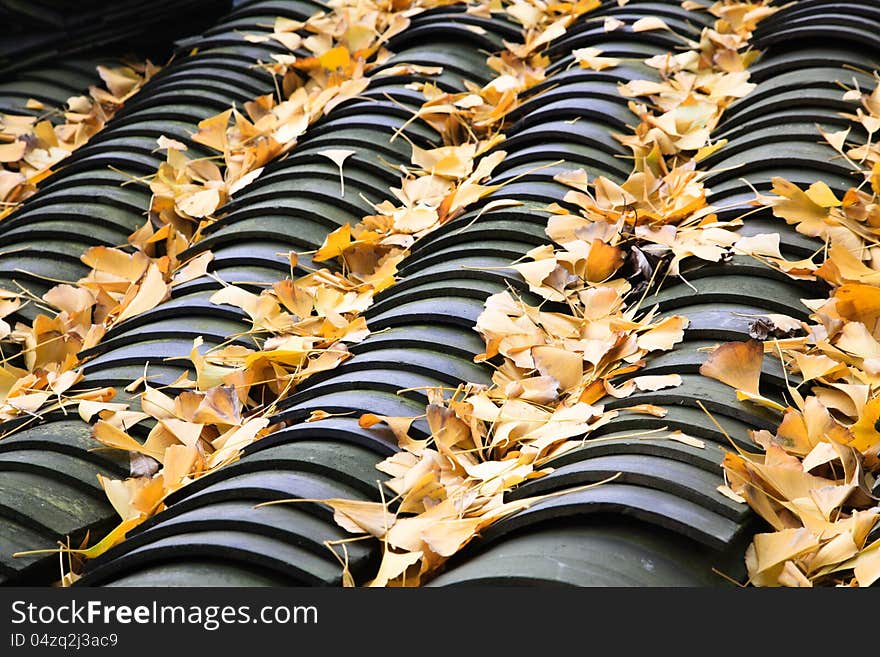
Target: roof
{"x":661,"y":521}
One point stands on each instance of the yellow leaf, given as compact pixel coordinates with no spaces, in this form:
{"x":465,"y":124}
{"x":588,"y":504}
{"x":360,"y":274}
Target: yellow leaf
{"x":360,"y":517}
{"x":815,"y":366}
{"x":156,"y":403}
{"x":414,"y":220}
{"x":151,"y":292}
{"x":219,"y":406}
{"x":792,"y":576}
{"x":867,"y":429}
{"x":244,"y":181}
{"x":564,"y":366}
{"x":187,"y":433}
{"x":106,"y":434}
{"x":664,"y":335}
{"x":649,"y":23}
{"x":12,"y":152}
{"x":742,"y":395}
{"x":447,"y":535}
{"x":115,"y":536}
{"x":647,"y":409}
{"x":821,"y":194}
{"x":657,"y":382}
{"x":338,"y":156}
{"x":208,"y":375}
{"x":196,"y":267}
{"x":858,"y":303}
{"x":121,"y":80}
{"x":393,"y":566}
{"x":129,"y":267}
{"x":198,"y":204}
{"x":738,"y":364}
{"x":867,"y":565}
{"x":590,"y":58}
{"x":611,"y":24}
{"x":706,"y":151}
{"x":334,"y":244}
{"x":212,"y":131}
{"x":795,"y":205}
{"x":446,"y":161}
{"x":234,"y":440}
{"x":335,"y":58}
{"x":838,"y":549}
{"x":179,"y":461}
{"x":777,"y":547}
{"x":728,"y":493}
{"x":87,"y":408}
{"x":167,"y":143}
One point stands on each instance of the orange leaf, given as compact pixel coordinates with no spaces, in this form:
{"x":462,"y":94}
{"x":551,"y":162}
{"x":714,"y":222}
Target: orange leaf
{"x":738,"y":364}
{"x":12,"y":152}
{"x":152,"y":291}
{"x":334,"y":244}
{"x":334,"y":58}
{"x":212,"y":131}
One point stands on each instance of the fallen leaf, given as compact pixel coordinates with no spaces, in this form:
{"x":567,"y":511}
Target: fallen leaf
{"x":338,"y":156}
{"x":738,"y":364}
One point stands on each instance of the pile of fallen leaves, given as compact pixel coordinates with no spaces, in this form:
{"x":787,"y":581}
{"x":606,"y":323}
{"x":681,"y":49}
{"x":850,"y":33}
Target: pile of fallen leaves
{"x":301,"y":325}
{"x":814,"y":481}
{"x":31,"y":146}
{"x":556,"y":366}
{"x":40,"y":360}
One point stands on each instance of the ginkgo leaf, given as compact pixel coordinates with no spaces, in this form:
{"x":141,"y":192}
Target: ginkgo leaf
{"x":866,"y":566}
{"x":107,"y":434}
{"x":359,"y":517}
{"x":212,"y":131}
{"x":334,"y":58}
{"x":725,"y":490}
{"x":611,"y":24}
{"x":199,"y":204}
{"x":127,"y":266}
{"x":168,"y":143}
{"x":289,"y":40}
{"x":121,"y":80}
{"x":244,"y":181}
{"x":186,"y":432}
{"x":647,"y":409}
{"x":446,"y":161}
{"x":338,"y":156}
{"x":152,"y":290}
{"x":393,"y":565}
{"x":814,"y":366}
{"x":334,"y":244}
{"x":12,"y":152}
{"x":178,"y":462}
{"x":685,"y":439}
{"x":591,"y":58}
{"x":649,"y":23}
{"x":562,"y":365}
{"x":234,"y":440}
{"x":778,"y":547}
{"x":665,"y":335}
{"x":866,"y":430}
{"x":446,"y":536}
{"x":738,"y":364}
{"x":657,"y":381}
{"x":87,"y":408}
{"x":195,"y":268}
